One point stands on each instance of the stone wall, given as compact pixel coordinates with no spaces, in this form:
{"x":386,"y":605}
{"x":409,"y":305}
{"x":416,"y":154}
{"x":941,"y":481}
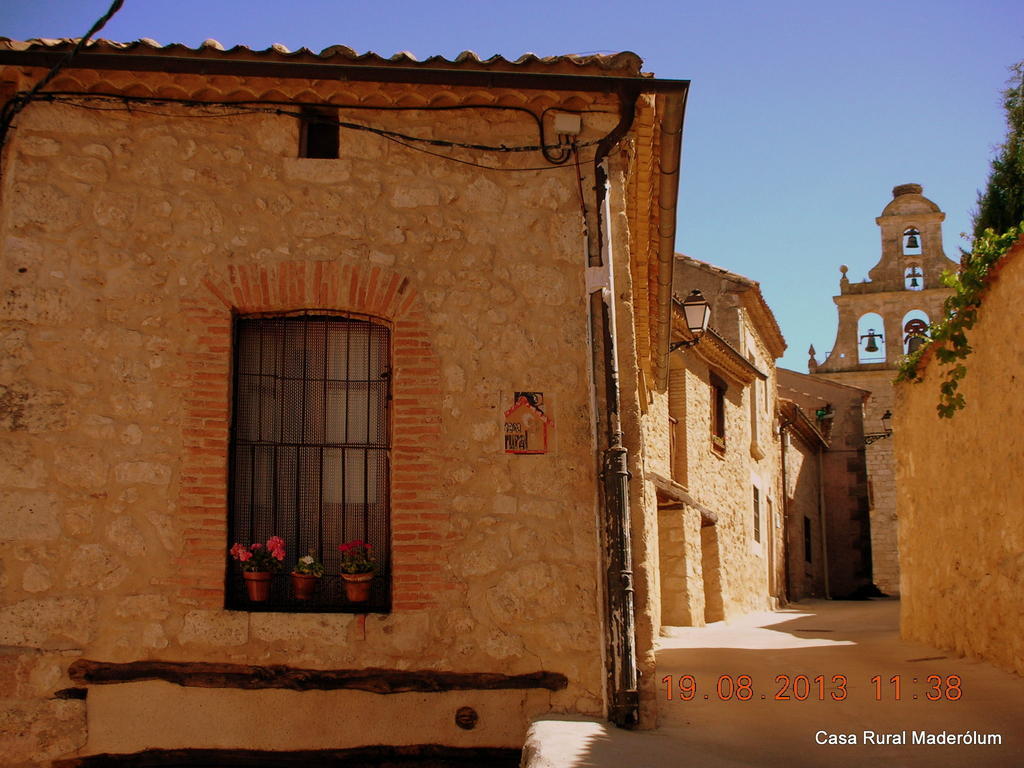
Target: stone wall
{"x":959,"y":489}
{"x":881,"y":479}
{"x":803,"y":484}
{"x":844,"y":475}
{"x":129,"y":241}
{"x":717,"y":571}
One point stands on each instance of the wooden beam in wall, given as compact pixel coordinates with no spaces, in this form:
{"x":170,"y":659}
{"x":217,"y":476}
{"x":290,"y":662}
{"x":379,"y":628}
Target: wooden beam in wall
{"x":384,"y":681}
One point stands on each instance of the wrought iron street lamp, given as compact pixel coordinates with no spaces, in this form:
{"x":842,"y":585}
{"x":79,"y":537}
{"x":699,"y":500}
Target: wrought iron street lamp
{"x":697,"y":313}
{"x":871,"y":437}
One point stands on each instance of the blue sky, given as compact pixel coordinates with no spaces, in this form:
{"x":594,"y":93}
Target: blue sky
{"x":802,"y":115}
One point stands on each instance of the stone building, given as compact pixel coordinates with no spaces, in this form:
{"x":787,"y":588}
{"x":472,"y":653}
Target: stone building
{"x":827,"y":487}
{"x":805,"y":549}
{"x":878,"y":320}
{"x":959,"y":489}
{"x":334,"y":297}
{"x":719,"y":524}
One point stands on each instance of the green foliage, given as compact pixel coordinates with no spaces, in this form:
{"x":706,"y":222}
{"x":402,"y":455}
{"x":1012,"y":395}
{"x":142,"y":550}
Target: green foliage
{"x":1001,"y":204}
{"x":1000,"y":210}
{"x":948,"y":335}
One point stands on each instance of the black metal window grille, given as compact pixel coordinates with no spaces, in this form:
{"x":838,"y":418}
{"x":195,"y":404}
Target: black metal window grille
{"x":757,"y":514}
{"x":718,"y":388}
{"x":310,"y":452}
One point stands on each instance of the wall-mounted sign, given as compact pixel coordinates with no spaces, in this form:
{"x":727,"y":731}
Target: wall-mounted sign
{"x":528,"y":424}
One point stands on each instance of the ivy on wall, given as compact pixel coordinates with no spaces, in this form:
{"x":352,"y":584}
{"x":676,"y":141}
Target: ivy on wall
{"x":948,"y":336}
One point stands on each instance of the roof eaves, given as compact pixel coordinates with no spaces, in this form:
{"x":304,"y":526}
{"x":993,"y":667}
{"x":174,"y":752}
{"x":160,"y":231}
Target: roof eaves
{"x":595,"y":72}
{"x":805,"y":428}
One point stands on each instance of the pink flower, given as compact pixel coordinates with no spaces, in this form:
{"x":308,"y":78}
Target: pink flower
{"x":256,"y":546}
{"x":244,"y":555}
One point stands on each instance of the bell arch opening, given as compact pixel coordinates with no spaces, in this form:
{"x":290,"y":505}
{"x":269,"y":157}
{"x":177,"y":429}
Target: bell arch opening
{"x":870,"y":339}
{"x":915,"y":330}
{"x":911,"y":241}
{"x":913,"y":277}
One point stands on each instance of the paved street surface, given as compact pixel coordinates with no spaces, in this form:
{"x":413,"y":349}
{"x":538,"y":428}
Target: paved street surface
{"x":729,"y":722}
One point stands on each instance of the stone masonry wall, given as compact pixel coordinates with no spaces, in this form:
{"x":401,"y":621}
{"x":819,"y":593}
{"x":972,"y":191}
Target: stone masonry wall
{"x":723,"y":484}
{"x":129,"y":241}
{"x":806,"y":578}
{"x":959,"y":491}
{"x":881,"y":478}
{"x":844,"y":476}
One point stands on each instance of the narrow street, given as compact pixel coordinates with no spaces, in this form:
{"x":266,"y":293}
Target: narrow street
{"x":716,"y":728}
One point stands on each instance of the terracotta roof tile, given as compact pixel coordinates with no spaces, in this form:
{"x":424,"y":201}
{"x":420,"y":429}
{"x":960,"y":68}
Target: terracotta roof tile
{"x":623,"y":64}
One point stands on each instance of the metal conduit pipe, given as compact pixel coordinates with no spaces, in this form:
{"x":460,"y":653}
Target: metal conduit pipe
{"x":823,"y":521}
{"x":783,"y":426}
{"x":613,"y":491}
{"x":623,"y":688}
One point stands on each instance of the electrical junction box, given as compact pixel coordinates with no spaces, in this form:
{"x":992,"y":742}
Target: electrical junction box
{"x":568,"y":125}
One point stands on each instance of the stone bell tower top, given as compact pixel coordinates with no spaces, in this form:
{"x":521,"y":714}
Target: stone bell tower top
{"x":905,"y":279}
{"x":911,"y":227}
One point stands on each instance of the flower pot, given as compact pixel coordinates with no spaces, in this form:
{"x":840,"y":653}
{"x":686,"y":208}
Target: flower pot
{"x":357,"y":586}
{"x":257,"y":584}
{"x":304,"y":585}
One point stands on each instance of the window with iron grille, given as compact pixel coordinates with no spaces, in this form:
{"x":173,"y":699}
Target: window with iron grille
{"x":718,"y":389}
{"x":310,"y":446}
{"x":757,"y":514}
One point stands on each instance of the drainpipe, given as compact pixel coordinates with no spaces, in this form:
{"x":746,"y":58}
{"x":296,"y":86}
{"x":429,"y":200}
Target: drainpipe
{"x":625,"y":695}
{"x":822,"y":522}
{"x":621,"y":665}
{"x":783,"y":426}
{"x":621,"y":668}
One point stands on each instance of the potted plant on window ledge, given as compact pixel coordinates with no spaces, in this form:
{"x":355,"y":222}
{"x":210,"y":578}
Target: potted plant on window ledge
{"x":259,"y":563}
{"x":357,"y":567}
{"x":306,"y":576}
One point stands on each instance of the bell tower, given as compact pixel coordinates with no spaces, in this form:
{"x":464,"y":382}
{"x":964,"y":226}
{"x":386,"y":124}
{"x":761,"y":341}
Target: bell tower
{"x":882,"y":318}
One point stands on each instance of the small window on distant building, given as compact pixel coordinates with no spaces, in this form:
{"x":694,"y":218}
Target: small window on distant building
{"x":318,"y":134}
{"x":807,"y":539}
{"x":677,"y":424}
{"x":757,"y":514}
{"x":718,"y":389}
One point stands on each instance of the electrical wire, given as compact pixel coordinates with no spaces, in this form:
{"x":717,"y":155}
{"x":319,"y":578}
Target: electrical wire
{"x":579,"y":185}
{"x":18,"y":103}
{"x":471,"y":162}
{"x":73,"y":98}
{"x":121,"y":102}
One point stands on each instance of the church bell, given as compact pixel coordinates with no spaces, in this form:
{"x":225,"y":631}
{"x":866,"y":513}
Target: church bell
{"x":872,"y":345}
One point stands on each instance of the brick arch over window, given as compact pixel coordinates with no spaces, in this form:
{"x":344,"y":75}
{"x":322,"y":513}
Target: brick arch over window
{"x":419,"y":523}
